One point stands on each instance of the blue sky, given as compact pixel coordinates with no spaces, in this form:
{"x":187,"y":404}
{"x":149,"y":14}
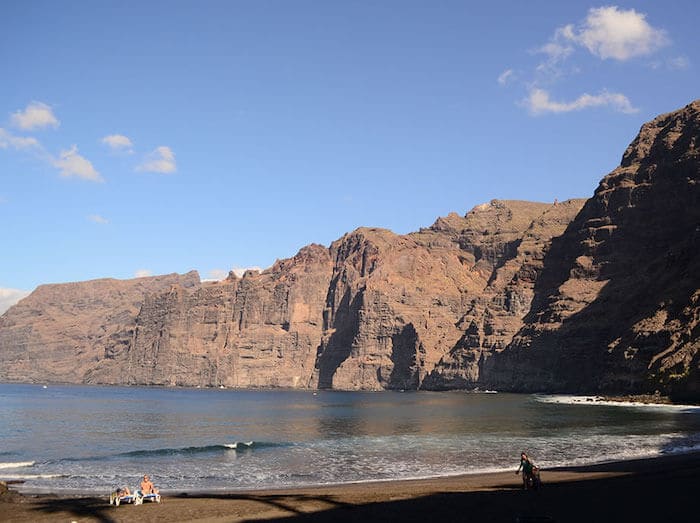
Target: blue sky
{"x":154,"y":137}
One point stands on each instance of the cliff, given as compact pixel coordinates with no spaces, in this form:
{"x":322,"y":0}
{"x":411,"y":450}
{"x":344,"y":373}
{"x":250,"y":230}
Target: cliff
{"x":617,"y":305}
{"x":61,"y":332}
{"x":375,"y":310}
{"x":578,"y":296}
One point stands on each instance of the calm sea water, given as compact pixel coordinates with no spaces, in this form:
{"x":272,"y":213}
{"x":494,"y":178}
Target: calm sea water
{"x":91,"y":439}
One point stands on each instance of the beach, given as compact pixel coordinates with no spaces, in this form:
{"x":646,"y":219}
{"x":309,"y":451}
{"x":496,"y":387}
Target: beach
{"x":655,"y":489}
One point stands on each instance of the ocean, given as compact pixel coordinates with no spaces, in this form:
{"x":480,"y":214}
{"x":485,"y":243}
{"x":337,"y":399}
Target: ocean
{"x":84,"y":439}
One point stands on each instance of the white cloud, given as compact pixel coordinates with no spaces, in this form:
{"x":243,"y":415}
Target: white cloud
{"x":9,"y":297}
{"x":679,"y":63}
{"x":98,"y":219}
{"x":221,"y":274}
{"x":9,"y":140}
{"x":35,"y":116}
{"x":72,"y":164}
{"x":161,"y":160}
{"x":539,"y":102}
{"x":69,"y":161}
{"x":240,"y":271}
{"x":218,"y":274}
{"x":609,"y":32}
{"x":143,"y":273}
{"x":118,"y":142}
{"x":506,"y":76}
{"x":555,"y":51}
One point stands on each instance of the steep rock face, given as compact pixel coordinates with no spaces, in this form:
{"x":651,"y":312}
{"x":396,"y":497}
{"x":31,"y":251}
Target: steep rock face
{"x":494,"y":315}
{"x":261,"y":330}
{"x":616,"y":308}
{"x":396,"y":305}
{"x":61,"y":331}
{"x":594,"y":297}
{"x":375,"y":311}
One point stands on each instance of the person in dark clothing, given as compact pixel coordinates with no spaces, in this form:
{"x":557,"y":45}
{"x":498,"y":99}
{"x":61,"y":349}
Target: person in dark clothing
{"x":527,"y":466}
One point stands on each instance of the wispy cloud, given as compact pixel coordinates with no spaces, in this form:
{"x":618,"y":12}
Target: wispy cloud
{"x":240,"y":271}
{"x":96,"y":218}
{"x":679,"y":63}
{"x":36,"y":115}
{"x":606,"y":33}
{"x":69,"y":162}
{"x":143,"y":273}
{"x":9,"y":297}
{"x":118,"y":143}
{"x":539,"y":102}
{"x":221,"y":274}
{"x":217,"y":274}
{"x":11,"y":141}
{"x":72,"y":164}
{"x":506,"y":76}
{"x":161,"y":160}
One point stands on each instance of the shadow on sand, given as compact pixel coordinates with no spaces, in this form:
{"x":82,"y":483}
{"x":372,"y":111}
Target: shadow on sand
{"x":666,"y":492}
{"x":658,"y":494}
{"x":92,"y":508}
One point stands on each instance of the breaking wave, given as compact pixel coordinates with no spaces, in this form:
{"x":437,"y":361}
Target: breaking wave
{"x":24,"y":477}
{"x":236,"y":446}
{"x":16,"y":464}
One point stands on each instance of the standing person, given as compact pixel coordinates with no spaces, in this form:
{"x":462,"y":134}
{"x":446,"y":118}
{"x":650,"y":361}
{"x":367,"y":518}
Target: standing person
{"x":527,"y":466}
{"x":147,"y":486}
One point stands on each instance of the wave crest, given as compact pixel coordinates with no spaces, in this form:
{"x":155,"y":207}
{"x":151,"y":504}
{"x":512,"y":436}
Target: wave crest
{"x":236,"y":446}
{"x":16,"y":464}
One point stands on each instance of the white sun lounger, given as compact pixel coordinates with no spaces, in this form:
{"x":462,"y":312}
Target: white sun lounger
{"x":117,"y":499}
{"x":136,"y":498}
{"x":140,"y":498}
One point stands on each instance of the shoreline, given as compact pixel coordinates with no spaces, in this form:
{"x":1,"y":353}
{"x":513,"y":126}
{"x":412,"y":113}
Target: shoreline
{"x":599,"y":398}
{"x":15,"y":484}
{"x":649,"y":489}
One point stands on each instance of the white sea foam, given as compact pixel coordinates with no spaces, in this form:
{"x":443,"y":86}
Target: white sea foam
{"x":16,"y":464}
{"x":598,"y":400}
{"x":12,"y":477}
{"x":239,"y":444}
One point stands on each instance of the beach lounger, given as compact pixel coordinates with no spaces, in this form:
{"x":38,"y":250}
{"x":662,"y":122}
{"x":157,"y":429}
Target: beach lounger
{"x":140,"y":498}
{"x":117,"y":499}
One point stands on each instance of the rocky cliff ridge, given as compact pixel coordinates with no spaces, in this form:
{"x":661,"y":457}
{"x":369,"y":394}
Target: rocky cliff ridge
{"x":579,"y":296}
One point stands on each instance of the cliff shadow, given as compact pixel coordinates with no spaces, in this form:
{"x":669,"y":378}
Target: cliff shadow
{"x":337,"y":348}
{"x":405,"y":348}
{"x":609,"y":499}
{"x":648,"y":258}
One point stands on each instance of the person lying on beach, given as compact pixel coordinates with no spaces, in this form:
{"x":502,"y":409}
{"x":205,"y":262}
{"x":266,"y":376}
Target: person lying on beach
{"x":147,"y":486}
{"x":120,"y":495}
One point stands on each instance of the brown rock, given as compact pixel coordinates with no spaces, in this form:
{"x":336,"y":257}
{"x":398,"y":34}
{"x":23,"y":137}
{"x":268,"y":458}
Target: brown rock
{"x":616,"y":308}
{"x":521,"y":296}
{"x":60,"y":332}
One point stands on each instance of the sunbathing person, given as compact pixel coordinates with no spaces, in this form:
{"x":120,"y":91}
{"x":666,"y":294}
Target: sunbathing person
{"x":121,"y":494}
{"x":147,"y":486}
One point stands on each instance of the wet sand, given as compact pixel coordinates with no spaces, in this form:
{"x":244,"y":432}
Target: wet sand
{"x":653,"y":490}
